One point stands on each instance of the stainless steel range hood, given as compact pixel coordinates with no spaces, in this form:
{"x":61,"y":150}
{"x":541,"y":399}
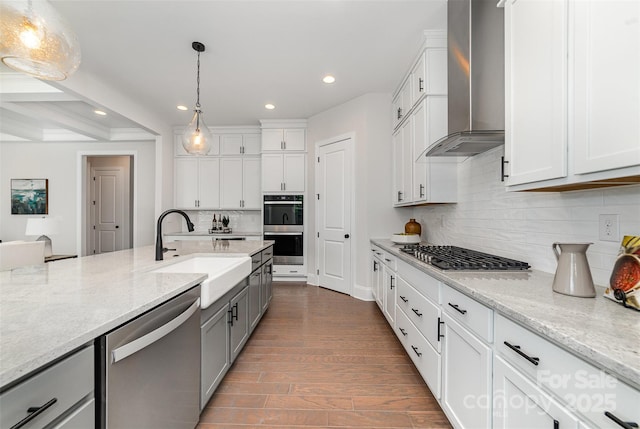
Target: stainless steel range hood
{"x":475,"y":39}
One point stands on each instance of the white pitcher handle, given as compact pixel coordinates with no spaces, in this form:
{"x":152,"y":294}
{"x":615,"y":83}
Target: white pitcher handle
{"x":554,"y":246}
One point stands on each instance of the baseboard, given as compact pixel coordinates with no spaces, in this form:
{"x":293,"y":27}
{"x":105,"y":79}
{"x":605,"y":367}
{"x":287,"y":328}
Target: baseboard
{"x":312,"y":279}
{"x":289,"y":279}
{"x":363,"y":293}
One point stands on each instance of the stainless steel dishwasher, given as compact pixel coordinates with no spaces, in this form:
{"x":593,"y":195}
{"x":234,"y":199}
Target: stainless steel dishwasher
{"x":150,"y":368}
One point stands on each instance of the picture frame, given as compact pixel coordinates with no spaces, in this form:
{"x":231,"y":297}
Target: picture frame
{"x":29,"y":196}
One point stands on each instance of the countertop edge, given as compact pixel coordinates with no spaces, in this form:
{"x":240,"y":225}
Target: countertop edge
{"x":595,"y":357}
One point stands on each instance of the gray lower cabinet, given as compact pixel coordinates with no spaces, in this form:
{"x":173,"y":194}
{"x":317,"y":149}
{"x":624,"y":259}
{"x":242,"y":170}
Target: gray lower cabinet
{"x":214,"y":336}
{"x":239,"y":322}
{"x":61,"y":396}
{"x":255,"y":309}
{"x":266,"y":286}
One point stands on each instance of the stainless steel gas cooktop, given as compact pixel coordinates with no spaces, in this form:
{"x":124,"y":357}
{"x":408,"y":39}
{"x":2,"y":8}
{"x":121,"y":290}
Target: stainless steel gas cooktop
{"x":453,"y":258}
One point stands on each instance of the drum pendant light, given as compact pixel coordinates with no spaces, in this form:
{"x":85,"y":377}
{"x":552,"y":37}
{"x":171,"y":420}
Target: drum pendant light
{"x":35,"y":39}
{"x":196,"y":139}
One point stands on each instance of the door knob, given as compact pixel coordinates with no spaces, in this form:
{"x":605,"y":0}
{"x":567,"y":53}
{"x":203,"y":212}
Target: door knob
{"x":117,"y":226}
{"x":346,"y":236}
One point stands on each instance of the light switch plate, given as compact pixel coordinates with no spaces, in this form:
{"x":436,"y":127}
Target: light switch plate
{"x":609,"y":227}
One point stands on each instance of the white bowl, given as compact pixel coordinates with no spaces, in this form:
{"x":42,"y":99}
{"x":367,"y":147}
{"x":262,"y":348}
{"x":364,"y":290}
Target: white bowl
{"x":405,"y":238}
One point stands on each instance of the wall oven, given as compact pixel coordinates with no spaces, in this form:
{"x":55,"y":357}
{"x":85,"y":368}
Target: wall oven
{"x":283,"y":223}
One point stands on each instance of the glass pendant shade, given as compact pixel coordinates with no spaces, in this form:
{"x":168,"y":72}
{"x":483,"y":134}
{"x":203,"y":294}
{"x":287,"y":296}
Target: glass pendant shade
{"x":196,"y":139}
{"x":34,"y":39}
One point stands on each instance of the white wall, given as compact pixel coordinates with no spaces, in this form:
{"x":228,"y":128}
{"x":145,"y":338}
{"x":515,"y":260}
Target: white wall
{"x":523,"y":225}
{"x":58,"y":163}
{"x":368,"y":118}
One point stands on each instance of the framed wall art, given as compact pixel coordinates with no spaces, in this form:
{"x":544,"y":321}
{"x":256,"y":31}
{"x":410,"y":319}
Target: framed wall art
{"x":29,"y":196}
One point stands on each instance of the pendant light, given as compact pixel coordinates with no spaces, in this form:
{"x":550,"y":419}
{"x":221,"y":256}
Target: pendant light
{"x":36,"y":40}
{"x":196,"y":139}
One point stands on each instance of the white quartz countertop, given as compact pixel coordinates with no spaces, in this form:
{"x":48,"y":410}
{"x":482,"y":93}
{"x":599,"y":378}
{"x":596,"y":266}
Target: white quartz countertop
{"x":234,"y":233}
{"x":51,"y":309}
{"x":598,"y":330}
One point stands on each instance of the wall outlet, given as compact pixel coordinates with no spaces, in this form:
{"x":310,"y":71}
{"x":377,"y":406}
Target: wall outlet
{"x":609,"y":227}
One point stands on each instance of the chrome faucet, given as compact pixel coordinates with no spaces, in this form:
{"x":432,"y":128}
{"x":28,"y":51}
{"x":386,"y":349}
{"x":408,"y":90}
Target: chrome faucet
{"x":159,"y":249}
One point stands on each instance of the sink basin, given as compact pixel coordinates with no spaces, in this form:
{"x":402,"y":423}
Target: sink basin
{"x":224,"y":273}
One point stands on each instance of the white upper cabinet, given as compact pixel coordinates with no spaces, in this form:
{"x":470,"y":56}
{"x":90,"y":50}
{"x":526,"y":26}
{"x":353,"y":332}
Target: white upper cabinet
{"x":240,"y":183}
{"x":278,"y":139}
{"x":572,"y":93}
{"x":283,"y":172}
{"x":197,"y":183}
{"x":239,"y":144}
{"x":536,"y":90}
{"x":605,"y":85}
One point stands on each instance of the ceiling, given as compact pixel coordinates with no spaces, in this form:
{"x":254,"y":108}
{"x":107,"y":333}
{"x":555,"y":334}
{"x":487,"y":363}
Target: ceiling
{"x":257,"y":52}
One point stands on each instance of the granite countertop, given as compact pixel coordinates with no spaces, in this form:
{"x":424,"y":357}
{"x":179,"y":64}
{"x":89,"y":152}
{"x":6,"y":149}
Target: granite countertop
{"x":51,"y":309}
{"x":234,"y":233}
{"x":598,"y":330}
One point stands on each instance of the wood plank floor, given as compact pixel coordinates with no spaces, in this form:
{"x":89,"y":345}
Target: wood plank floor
{"x":321,"y":359}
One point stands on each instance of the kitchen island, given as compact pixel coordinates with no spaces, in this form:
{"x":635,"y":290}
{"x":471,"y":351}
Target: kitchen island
{"x":49,"y":310}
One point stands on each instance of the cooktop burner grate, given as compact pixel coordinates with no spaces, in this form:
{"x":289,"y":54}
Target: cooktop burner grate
{"x":460,"y":259}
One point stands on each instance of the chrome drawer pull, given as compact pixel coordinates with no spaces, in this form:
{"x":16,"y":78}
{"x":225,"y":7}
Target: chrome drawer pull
{"x":625,"y":425}
{"x":533,"y":360}
{"x":417,"y":312}
{"x":415,"y":349}
{"x":33,"y":413}
{"x":455,"y":307}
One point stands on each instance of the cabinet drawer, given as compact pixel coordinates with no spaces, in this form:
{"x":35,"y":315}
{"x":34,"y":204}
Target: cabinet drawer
{"x":426,"y":359}
{"x":468,"y":312}
{"x":420,"y":310}
{"x":583,"y":387}
{"x":82,"y":418}
{"x":422,"y":282}
{"x":256,"y":261}
{"x":67,"y":381}
{"x":389,"y":260}
{"x":267,"y":254}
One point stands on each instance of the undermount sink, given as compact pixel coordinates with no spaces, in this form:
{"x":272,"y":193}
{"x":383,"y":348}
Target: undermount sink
{"x":223,"y":273}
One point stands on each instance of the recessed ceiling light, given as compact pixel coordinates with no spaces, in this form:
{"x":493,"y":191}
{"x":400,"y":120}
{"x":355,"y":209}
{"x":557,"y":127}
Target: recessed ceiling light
{"x":269,"y":106}
{"x":181,"y":107}
{"x":100,"y":112}
{"x":328,"y":79}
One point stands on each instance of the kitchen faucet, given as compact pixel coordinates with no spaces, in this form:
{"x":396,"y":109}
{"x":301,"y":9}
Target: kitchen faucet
{"x":159,"y":249}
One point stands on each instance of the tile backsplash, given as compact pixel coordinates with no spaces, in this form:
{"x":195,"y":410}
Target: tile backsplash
{"x":239,"y":221}
{"x":524,"y":225}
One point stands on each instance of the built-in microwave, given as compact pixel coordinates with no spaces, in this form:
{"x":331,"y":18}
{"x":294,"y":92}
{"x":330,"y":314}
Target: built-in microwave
{"x":283,"y":210}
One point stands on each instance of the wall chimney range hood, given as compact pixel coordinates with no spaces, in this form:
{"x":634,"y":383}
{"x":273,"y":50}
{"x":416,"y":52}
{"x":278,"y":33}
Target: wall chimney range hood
{"x":475,"y":78}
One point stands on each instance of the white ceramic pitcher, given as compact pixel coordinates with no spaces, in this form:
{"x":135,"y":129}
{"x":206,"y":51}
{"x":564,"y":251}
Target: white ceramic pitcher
{"x":573,"y":276}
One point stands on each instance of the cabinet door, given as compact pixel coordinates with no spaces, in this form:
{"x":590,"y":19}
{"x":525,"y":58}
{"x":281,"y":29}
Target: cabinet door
{"x":294,"y":172}
{"x":466,"y":377}
{"x":186,"y":186}
{"x":230,"y":183}
{"x":536,"y":90}
{"x":407,"y":99}
{"x":396,"y":110}
{"x":251,"y":190}
{"x":390,"y":296}
{"x":418,"y":76}
{"x":376,"y":280}
{"x":294,"y":139}
{"x":254,"y":299}
{"x":398,"y":183}
{"x":266,"y":285}
{"x":214,"y":337}
{"x":209,"y":183}
{"x":231,"y":144}
{"x":239,"y":322}
{"x":605,"y":85}
{"x":272,"y":139}
{"x":251,"y":144}
{"x":518,"y":403}
{"x":407,"y":160}
{"x":272,"y":177}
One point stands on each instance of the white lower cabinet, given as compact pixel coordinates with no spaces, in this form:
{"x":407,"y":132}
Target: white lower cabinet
{"x":389,"y":281}
{"x":518,"y":403}
{"x":466,"y":376}
{"x":376,"y":277}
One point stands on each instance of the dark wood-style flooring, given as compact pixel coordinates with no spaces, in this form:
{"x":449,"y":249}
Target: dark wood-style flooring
{"x":321,"y":359}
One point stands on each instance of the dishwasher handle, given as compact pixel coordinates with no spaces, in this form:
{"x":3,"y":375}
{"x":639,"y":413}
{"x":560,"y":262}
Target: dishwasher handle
{"x":138,"y":344}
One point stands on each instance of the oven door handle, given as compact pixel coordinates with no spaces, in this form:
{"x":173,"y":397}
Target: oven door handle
{"x":266,"y":203}
{"x":282,"y":233}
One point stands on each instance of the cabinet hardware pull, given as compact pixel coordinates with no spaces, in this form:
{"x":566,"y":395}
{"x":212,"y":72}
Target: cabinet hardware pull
{"x":455,"y":307}
{"x":375,"y":266}
{"x":556,"y":424}
{"x":235,"y":316}
{"x":415,"y":349}
{"x":421,"y":190}
{"x":33,"y":413}
{"x":440,"y":322}
{"x":403,"y":299}
{"x":417,"y":312}
{"x":533,"y":360}
{"x":625,"y":425}
{"x":502,"y":163}
{"x":404,"y":333}
{"x":388,"y":260}
{"x":230,"y":321}
{"x":400,"y":196}
{"x":420,"y":84}
{"x":392,"y":279}
{"x":399,"y":112}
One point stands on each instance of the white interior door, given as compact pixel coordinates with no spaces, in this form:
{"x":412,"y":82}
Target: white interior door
{"x":108,"y":209}
{"x":334,"y":216}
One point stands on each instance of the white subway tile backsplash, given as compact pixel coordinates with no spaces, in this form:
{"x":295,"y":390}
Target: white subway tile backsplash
{"x":524,"y":225}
